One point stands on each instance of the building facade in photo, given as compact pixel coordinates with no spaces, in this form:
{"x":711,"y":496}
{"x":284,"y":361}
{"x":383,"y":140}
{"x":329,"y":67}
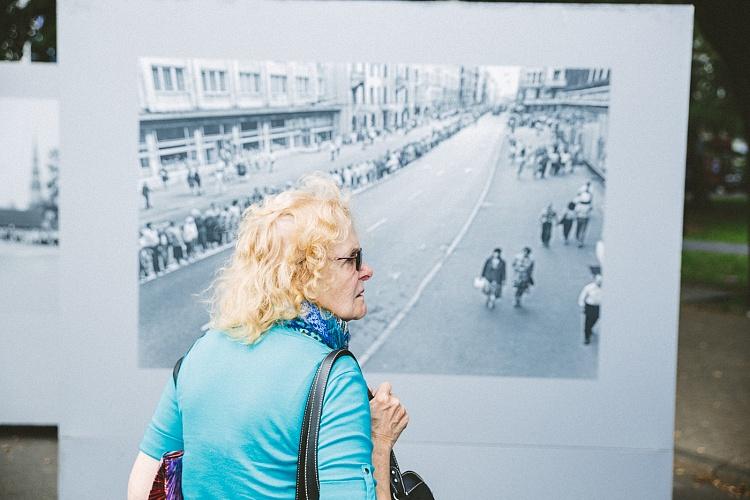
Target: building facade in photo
{"x":579,"y":98}
{"x":190,"y":109}
{"x":194,"y":111}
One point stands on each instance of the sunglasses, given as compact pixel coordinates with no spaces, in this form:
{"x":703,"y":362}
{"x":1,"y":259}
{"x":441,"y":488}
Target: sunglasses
{"x":356,"y":257}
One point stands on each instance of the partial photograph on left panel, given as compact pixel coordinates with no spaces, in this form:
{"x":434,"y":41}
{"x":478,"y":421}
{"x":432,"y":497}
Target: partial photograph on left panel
{"x":28,"y":31}
{"x":29,"y":219}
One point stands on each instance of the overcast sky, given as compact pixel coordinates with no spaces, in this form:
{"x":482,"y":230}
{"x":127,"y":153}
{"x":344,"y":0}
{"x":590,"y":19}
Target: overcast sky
{"x":23,"y":121}
{"x":506,"y":78}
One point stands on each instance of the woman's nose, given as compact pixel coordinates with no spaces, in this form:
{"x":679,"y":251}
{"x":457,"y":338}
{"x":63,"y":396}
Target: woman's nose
{"x":365,"y":272}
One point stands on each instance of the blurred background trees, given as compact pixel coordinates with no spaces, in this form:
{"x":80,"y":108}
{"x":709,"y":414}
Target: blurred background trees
{"x":28,"y":28}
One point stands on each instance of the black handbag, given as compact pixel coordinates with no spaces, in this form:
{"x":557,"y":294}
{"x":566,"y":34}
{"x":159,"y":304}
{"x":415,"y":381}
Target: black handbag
{"x":404,"y":486}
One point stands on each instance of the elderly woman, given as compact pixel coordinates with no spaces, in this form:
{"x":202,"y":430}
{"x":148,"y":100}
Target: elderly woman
{"x":280,"y":305}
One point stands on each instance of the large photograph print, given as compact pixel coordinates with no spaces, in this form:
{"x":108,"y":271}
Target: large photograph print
{"x":478,"y":195}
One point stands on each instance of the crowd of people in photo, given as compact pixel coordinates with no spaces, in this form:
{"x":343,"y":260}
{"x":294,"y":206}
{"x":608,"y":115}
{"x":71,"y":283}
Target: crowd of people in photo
{"x":546,"y":152}
{"x":235,"y":164}
{"x":29,"y":236}
{"x":40,"y":227}
{"x":360,"y":174}
{"x":576,"y":213}
{"x":170,"y":244}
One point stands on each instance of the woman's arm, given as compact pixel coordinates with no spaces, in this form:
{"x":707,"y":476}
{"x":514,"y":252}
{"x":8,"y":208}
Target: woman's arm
{"x":389,"y":419}
{"x":356,"y":436}
{"x":142,"y":476}
{"x":381,"y":460}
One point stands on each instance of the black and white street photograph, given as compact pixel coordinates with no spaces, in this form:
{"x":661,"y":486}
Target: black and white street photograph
{"x":478,"y":194}
{"x":29,"y":154}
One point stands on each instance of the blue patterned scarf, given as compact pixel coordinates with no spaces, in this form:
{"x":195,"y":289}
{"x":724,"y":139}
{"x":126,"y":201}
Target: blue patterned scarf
{"x":320,"y":325}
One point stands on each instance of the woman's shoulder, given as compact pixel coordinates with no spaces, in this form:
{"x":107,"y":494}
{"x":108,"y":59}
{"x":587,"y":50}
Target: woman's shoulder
{"x":278,"y":346}
{"x":277,"y":341}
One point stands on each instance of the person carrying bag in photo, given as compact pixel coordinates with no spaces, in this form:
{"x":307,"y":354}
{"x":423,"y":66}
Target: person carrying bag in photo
{"x":239,"y":409}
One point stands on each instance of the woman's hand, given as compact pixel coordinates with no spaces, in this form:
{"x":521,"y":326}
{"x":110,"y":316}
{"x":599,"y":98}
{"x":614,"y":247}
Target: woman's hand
{"x":388,"y":415}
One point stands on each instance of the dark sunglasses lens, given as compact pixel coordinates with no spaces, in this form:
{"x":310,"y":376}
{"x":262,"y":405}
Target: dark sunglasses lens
{"x":358,"y":260}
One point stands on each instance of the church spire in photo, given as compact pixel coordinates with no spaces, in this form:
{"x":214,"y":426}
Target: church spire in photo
{"x":36,"y":184}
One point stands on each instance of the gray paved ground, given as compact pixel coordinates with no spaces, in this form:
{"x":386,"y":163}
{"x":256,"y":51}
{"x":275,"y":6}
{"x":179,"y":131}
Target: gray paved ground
{"x":715,"y":247}
{"x":28,"y":463}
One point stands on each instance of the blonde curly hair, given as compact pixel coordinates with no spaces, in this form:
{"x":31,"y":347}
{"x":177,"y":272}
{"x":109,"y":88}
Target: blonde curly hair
{"x":281,"y":250}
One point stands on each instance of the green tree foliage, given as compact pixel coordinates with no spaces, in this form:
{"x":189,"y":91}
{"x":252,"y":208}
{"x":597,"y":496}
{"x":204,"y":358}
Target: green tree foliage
{"x":32,"y":22}
{"x":714,"y":120}
{"x":712,"y":104}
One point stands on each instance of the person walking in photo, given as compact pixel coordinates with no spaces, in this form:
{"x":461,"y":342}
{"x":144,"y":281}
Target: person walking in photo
{"x":493,"y":273}
{"x":569,"y":216}
{"x":520,"y":159}
{"x":191,"y":180}
{"x":197,"y":180}
{"x":583,"y":210}
{"x":176,"y":242}
{"x":271,"y":158}
{"x":278,"y":308}
{"x":548,"y":219}
{"x":190,"y":236}
{"x":554,"y":161}
{"x":146,"y":192}
{"x":523,"y":266}
{"x":164,"y":174}
{"x":150,"y":237}
{"x":589,"y":301}
{"x":332,"y":150}
{"x":566,"y":161}
{"x":219,"y":172}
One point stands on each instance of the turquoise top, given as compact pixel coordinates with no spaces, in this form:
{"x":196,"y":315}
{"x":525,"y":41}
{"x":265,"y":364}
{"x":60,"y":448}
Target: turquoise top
{"x":237,"y":412}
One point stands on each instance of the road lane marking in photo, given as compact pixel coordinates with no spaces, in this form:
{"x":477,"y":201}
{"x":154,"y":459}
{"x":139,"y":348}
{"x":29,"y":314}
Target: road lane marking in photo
{"x":415,"y":194}
{"x":381,"y":339}
{"x":377,"y":225}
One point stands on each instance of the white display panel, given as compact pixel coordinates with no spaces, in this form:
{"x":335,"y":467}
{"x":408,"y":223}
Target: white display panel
{"x":623,"y":415}
{"x":29,"y":272}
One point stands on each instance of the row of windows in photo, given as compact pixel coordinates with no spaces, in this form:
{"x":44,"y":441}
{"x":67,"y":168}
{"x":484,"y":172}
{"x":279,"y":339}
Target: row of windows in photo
{"x":176,"y":157}
{"x":245,"y":127}
{"x":172,"y":79}
{"x":590,"y":75}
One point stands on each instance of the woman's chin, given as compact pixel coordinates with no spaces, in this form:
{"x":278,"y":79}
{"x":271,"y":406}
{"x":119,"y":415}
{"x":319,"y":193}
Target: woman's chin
{"x":359,"y":311}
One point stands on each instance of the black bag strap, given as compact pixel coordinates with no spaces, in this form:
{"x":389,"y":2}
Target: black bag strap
{"x":178,"y":364}
{"x":308,"y":484}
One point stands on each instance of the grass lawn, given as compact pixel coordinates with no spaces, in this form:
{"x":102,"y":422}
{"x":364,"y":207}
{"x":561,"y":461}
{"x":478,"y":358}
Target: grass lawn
{"x":724,"y":219}
{"x":728,"y":272}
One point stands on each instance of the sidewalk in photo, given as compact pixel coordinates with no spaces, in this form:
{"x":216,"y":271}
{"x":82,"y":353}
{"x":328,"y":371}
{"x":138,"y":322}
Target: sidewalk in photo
{"x":175,"y":202}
